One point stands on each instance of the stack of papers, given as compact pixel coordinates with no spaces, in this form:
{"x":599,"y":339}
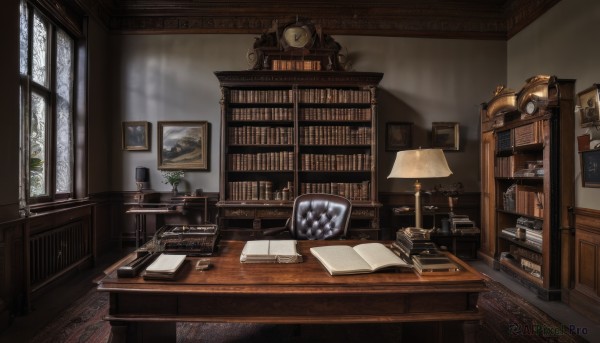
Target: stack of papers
{"x":270,"y":251}
{"x":164,"y":267}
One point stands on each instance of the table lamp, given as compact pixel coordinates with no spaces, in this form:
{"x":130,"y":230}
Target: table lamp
{"x":419,"y":164}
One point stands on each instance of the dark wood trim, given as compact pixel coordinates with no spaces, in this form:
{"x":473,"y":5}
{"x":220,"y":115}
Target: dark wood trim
{"x":494,"y":20}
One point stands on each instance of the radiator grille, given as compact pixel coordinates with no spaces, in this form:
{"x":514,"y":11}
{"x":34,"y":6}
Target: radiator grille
{"x":57,"y":250}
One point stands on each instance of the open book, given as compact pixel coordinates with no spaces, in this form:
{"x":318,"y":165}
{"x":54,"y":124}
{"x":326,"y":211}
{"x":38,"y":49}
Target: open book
{"x":362,"y":258}
{"x":270,"y":251}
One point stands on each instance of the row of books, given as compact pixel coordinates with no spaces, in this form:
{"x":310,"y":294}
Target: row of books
{"x":508,"y":166}
{"x":268,"y":161}
{"x":311,"y":95}
{"x":520,"y":252}
{"x":520,"y":136}
{"x":262,"y":113}
{"x":261,"y":135}
{"x":330,"y":162}
{"x":257,"y":96}
{"x":529,"y":201}
{"x":352,"y":191}
{"x":256,"y":190}
{"x":287,"y":114}
{"x":528,"y":134}
{"x":335,"y":135}
{"x":331,"y":95}
{"x":531,"y":266}
{"x":304,"y":65}
{"x":320,"y":113}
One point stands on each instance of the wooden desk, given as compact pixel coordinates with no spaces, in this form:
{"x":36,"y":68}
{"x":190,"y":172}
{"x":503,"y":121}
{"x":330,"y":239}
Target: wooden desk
{"x":301,"y":293}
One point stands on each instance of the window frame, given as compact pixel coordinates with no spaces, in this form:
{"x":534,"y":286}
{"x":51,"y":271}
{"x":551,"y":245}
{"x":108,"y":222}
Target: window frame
{"x":77,"y":117}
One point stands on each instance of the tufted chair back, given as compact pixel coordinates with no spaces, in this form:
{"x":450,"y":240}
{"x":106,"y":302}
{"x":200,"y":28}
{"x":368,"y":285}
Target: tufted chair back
{"x":320,"y":216}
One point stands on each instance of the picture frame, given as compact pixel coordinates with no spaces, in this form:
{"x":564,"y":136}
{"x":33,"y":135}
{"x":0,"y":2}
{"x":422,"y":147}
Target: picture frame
{"x":590,"y":168}
{"x":589,"y":102}
{"x":135,"y":135}
{"x":398,"y":136}
{"x":445,"y":135}
{"x":183,"y":145}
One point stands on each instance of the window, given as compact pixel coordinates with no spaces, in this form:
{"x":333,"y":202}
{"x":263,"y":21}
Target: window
{"x":47,"y":58}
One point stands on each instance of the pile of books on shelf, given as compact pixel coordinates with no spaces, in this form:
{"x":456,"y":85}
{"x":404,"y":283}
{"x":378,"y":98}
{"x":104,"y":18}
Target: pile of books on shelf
{"x":529,"y":261}
{"x":533,"y":230}
{"x":165,"y":267}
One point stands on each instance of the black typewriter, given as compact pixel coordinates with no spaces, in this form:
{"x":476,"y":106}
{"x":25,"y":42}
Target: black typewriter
{"x":192,"y":240}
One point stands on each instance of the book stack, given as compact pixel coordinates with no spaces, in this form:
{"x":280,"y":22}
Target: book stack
{"x":411,"y":241}
{"x":533,"y":230}
{"x":433,"y":264}
{"x":165,"y":267}
{"x":461,"y":224}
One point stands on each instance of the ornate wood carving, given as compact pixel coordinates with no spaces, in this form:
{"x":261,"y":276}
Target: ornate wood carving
{"x":462,"y":19}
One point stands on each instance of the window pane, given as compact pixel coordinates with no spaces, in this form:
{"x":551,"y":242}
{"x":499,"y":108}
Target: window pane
{"x":37,"y":146}
{"x":40,"y":51}
{"x":23,"y":38}
{"x":64,"y":110}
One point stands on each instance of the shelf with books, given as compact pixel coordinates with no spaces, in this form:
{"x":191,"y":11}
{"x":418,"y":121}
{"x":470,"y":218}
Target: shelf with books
{"x":301,"y":131}
{"x":531,"y":181}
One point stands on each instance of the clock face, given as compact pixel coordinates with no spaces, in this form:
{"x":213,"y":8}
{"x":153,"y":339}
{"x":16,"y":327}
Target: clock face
{"x":530,"y":107}
{"x":297,"y":36}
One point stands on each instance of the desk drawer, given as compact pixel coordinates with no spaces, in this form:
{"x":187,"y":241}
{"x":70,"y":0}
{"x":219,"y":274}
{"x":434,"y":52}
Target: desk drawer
{"x":238,"y":213}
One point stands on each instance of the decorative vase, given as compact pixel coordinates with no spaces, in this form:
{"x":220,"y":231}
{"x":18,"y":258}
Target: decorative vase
{"x":174,"y":191}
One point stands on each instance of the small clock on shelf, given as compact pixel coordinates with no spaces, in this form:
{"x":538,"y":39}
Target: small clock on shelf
{"x":298,"y":36}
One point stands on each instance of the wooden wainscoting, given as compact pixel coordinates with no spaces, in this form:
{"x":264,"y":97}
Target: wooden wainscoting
{"x":585,"y":295}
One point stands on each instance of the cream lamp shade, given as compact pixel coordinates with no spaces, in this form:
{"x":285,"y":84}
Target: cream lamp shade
{"x":419,"y":164}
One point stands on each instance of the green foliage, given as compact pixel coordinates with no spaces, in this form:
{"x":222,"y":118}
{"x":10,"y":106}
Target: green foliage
{"x":172,"y":177}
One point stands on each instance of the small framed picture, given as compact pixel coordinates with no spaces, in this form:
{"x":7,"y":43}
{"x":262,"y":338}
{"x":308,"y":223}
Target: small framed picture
{"x":445,"y":136}
{"x":134,"y":135}
{"x":398,"y":136}
{"x":183,"y":145}
{"x":590,"y":168}
{"x":589,"y":102}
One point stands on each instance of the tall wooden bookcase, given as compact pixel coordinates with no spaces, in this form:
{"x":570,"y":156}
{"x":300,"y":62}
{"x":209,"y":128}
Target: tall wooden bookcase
{"x":286,"y":133}
{"x":527,"y":180}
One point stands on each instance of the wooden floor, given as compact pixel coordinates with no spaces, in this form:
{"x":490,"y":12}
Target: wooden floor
{"x":48,"y":306}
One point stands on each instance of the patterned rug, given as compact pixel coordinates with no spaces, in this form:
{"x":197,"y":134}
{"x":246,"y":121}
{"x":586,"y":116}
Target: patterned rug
{"x":507,"y":318}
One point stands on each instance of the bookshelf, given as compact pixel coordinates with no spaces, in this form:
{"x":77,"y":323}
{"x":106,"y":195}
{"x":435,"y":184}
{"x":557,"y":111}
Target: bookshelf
{"x":527,"y":181}
{"x":286,"y":133}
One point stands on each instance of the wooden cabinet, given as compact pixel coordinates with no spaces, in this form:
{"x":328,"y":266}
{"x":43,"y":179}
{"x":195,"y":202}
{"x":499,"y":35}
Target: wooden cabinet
{"x":286,"y":133}
{"x":529,"y":138}
{"x":584,"y":296}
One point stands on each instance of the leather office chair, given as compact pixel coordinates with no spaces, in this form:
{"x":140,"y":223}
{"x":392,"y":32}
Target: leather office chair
{"x":317,"y":216}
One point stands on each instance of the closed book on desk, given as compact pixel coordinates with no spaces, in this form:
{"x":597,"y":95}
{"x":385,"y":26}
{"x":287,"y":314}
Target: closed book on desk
{"x":429,"y":265}
{"x":164,"y":267}
{"x":270,"y":251}
{"x":360,"y":259}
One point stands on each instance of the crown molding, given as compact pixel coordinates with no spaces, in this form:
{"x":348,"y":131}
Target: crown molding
{"x":468,"y":19}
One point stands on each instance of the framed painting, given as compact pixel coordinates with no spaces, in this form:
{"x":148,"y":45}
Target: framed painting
{"x":398,"y":136}
{"x":183,"y":145}
{"x":445,"y":136}
{"x":590,"y":168}
{"x":589,"y":103}
{"x":134,"y":135}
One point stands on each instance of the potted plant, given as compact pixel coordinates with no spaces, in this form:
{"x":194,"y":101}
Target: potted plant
{"x":173,"y":178}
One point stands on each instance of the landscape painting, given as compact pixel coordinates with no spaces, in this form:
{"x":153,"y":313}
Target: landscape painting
{"x":183,"y":145}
